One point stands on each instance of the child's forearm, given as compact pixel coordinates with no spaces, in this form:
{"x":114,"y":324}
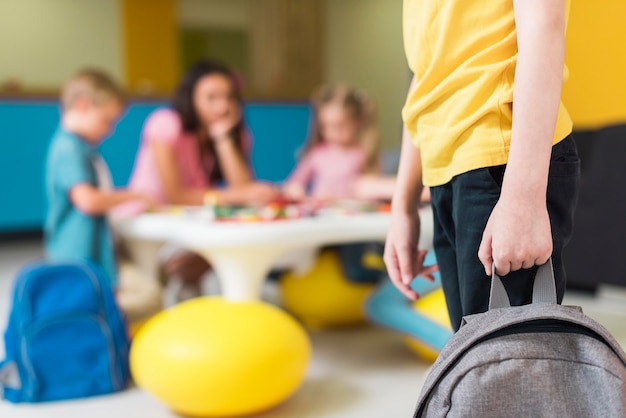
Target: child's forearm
{"x":93,"y":201}
{"x":374,"y":187}
{"x":408,"y":187}
{"x":187,"y":197}
{"x":538,"y":79}
{"x":196,"y":197}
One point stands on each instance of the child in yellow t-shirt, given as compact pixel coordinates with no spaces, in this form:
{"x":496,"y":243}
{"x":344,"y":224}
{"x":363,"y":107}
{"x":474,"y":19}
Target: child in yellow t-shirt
{"x":503,"y":178}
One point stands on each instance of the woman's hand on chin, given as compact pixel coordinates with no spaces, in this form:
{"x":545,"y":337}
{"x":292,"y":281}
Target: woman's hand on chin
{"x":222,"y":127}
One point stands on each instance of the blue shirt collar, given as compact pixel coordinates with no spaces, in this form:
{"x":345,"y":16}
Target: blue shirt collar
{"x":83,"y":145}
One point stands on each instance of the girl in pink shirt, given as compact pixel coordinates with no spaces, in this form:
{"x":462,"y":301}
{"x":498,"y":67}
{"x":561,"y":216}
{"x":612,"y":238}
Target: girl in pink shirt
{"x":199,"y":149}
{"x":189,"y":150}
{"x":343,"y":146}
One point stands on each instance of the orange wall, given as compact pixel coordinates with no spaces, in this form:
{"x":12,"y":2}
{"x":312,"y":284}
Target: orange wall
{"x":150,"y":45}
{"x":595,"y":94}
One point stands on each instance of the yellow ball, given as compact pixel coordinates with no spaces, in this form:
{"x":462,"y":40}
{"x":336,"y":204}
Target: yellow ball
{"x":135,"y":326}
{"x":433,"y":307}
{"x":323,"y":297}
{"x":211,"y":357}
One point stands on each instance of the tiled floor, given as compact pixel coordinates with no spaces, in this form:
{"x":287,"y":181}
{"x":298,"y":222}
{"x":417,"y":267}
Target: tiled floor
{"x":365,"y":372}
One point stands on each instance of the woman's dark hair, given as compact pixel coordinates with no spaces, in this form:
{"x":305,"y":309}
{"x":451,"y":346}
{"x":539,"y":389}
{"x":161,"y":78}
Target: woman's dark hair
{"x":182,"y":102}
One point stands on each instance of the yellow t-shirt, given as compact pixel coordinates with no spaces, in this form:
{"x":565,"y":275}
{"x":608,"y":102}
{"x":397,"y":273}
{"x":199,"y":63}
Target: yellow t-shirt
{"x":463,"y":54}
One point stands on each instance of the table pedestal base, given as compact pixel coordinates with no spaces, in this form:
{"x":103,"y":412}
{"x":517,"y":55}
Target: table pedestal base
{"x":240,"y":270}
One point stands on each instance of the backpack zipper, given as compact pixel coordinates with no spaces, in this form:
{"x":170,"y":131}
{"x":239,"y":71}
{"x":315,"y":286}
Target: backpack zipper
{"x":544,"y":326}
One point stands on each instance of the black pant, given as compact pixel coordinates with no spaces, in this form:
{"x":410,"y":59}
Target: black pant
{"x":353,"y":263}
{"x":461,"y":209}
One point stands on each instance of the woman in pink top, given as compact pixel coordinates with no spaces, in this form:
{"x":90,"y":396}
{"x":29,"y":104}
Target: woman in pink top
{"x":343,"y":146}
{"x":200,"y":148}
{"x":189,"y":150}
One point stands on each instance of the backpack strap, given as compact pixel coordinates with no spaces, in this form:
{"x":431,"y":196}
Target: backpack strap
{"x":544,"y":288}
{"x":9,"y":377}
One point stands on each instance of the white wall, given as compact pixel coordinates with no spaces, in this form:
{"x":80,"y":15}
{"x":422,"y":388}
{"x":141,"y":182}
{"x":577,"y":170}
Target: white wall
{"x":214,"y":13}
{"x":364,"y":47}
{"x":43,"y":42}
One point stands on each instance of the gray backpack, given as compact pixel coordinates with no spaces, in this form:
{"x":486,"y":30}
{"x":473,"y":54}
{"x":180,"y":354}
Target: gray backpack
{"x":537,"y":360}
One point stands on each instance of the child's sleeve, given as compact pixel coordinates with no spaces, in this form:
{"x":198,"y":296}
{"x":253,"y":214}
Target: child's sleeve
{"x":303,"y":173}
{"x":73,"y":168}
{"x":163,"y":125}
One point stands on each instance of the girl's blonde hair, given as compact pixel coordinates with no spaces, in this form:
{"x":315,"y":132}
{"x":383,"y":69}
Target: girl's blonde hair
{"x":358,"y":103}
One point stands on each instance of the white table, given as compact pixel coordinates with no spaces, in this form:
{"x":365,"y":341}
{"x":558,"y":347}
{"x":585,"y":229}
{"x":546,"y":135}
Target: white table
{"x":242,"y":254}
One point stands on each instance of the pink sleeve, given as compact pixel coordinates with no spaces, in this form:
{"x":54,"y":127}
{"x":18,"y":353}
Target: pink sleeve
{"x":303,"y":172}
{"x":162,"y":125}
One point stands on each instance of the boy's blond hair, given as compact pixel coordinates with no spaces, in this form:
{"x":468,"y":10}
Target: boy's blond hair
{"x":94,"y":85}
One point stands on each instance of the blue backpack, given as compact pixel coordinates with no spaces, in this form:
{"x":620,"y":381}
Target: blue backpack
{"x":65,"y":337}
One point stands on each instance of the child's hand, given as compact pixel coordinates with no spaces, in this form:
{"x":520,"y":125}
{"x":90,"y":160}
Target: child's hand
{"x":517,"y":236}
{"x":261,"y":193}
{"x":294,"y":191}
{"x":149,"y":201}
{"x":403,"y":260}
{"x":256,"y":193}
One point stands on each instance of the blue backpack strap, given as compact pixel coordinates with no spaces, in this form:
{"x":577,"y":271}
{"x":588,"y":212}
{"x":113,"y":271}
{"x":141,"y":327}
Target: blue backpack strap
{"x":9,"y":377}
{"x":115,"y":321}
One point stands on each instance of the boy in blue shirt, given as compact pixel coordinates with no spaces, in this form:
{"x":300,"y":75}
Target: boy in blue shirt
{"x":78,"y":184}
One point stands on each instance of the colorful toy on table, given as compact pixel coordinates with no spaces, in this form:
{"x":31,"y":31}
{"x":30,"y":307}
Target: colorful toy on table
{"x":425,"y":322}
{"x":346,"y":207}
{"x":279,"y":209}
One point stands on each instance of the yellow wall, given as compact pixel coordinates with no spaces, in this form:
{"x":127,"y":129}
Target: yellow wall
{"x":43,"y":42}
{"x":595,"y":95}
{"x":214,"y":13}
{"x":150,"y":45}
